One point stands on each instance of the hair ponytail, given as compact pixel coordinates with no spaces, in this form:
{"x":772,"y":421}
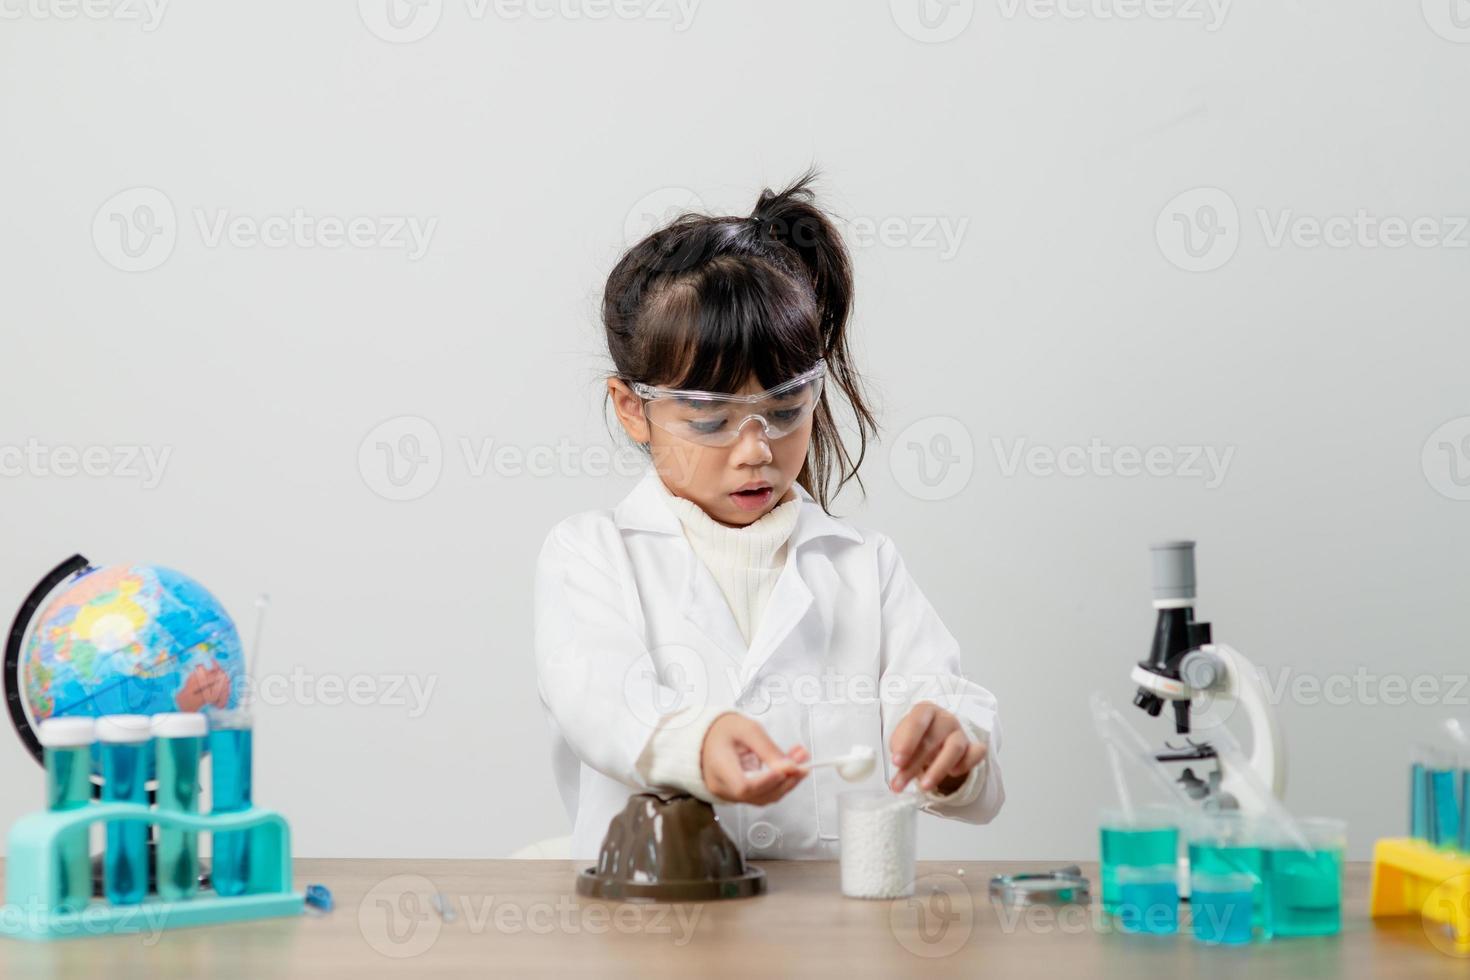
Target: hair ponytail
{"x":707,"y":301}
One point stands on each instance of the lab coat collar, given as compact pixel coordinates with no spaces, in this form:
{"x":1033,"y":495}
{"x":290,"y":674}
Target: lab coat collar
{"x":645,"y":509}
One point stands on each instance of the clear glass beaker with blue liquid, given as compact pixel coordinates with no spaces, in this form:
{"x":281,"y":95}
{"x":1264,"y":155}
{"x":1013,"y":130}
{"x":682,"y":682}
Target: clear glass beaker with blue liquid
{"x":1302,"y":872}
{"x":66,"y":745}
{"x":1222,"y":907}
{"x":230,"y":750}
{"x":123,"y":744}
{"x":1148,"y":898}
{"x":1229,"y":843}
{"x":1144,"y":836}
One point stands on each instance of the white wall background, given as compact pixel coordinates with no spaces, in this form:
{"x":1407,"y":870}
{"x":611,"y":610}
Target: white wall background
{"x":1053,"y":145}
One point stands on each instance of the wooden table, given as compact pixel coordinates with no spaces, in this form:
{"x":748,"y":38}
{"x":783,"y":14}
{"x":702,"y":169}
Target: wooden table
{"x":521,"y":918}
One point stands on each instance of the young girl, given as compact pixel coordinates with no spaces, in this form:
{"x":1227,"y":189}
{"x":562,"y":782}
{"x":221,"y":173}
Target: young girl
{"x":719,"y":629}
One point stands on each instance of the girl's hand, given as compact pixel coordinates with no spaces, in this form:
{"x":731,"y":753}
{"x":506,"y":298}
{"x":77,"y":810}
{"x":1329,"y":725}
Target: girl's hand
{"x":733,"y":748}
{"x":931,"y":742}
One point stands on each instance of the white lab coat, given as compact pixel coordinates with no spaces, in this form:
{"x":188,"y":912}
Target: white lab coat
{"x":631,"y":626}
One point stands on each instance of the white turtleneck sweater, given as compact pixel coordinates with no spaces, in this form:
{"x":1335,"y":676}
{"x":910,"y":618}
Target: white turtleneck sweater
{"x":745,"y":562}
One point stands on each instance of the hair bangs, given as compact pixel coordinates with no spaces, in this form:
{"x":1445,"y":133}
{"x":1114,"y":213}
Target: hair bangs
{"x":734,"y":321}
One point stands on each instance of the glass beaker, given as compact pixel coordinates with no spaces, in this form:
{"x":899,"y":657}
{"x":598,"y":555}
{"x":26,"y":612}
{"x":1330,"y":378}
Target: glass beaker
{"x":1142,"y":837}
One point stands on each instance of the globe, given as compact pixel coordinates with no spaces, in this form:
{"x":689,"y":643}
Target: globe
{"x":131,"y":639}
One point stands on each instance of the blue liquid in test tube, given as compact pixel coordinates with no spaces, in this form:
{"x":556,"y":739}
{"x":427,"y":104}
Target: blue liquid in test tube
{"x":1465,"y":810}
{"x":178,"y":738}
{"x":230,"y":750}
{"x":1419,"y":802}
{"x":1446,"y":814}
{"x":67,"y":749}
{"x":124,"y":748}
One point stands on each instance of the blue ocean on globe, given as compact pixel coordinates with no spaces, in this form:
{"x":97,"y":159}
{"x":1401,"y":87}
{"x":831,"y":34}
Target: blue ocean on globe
{"x":132,"y":639}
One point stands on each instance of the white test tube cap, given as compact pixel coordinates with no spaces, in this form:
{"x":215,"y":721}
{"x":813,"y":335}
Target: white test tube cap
{"x":67,"y":733}
{"x":179,"y":724}
{"x":123,"y":729}
{"x":230,"y":718}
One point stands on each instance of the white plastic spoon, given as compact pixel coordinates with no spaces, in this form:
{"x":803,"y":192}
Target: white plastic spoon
{"x":859,"y":761}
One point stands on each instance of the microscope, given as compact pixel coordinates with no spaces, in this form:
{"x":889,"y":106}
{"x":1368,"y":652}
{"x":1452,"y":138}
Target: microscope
{"x":1203,"y":683}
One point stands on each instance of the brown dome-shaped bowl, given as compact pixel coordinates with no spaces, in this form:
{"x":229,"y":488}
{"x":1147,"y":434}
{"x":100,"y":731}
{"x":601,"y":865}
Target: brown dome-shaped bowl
{"x":669,"y":849}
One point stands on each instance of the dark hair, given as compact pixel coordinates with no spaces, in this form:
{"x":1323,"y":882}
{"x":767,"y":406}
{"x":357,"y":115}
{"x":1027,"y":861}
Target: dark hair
{"x":708,"y":301}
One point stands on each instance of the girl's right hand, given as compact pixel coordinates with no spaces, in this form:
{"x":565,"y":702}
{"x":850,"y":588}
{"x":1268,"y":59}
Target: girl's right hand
{"x":734,"y":747}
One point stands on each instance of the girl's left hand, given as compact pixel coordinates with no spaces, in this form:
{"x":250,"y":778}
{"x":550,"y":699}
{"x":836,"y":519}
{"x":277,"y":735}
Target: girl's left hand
{"x":930,"y":741}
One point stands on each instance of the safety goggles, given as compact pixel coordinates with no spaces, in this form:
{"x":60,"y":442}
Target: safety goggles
{"x":713,"y":418}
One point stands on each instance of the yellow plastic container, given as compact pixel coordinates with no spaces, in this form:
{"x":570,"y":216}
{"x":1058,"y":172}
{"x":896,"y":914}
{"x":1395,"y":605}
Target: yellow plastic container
{"x":1411,"y":877}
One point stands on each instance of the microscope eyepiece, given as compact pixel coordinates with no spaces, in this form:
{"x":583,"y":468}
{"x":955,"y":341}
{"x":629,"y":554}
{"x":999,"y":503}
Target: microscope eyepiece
{"x":1173,"y":567}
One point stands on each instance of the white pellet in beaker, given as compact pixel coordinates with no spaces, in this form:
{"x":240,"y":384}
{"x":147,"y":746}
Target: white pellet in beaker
{"x":879,"y":834}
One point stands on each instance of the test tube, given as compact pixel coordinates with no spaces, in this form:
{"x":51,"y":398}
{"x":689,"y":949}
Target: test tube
{"x":1465,"y":805}
{"x":229,"y":752}
{"x":178,"y":740}
{"x":67,"y":749}
{"x":1435,"y":805}
{"x":124,"y":746}
{"x":1419,"y":805}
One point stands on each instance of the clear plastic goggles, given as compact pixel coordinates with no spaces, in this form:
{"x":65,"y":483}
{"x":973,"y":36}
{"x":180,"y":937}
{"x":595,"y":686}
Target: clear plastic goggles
{"x":712,"y":418}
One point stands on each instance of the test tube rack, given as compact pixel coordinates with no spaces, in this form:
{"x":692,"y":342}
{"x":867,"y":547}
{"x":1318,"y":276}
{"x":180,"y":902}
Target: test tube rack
{"x":1413,"y":877}
{"x":33,"y":875}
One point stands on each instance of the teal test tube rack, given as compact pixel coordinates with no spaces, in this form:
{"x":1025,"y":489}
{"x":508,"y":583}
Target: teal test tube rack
{"x":34,"y":890}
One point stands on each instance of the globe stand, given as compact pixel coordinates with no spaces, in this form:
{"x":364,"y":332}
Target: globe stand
{"x":14,"y":690}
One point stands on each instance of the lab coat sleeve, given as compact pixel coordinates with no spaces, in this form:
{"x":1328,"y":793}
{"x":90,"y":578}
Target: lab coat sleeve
{"x":921,"y":662}
{"x":595,"y":676}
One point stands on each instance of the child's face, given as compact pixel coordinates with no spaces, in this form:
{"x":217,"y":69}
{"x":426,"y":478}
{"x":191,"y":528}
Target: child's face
{"x":710,"y":476}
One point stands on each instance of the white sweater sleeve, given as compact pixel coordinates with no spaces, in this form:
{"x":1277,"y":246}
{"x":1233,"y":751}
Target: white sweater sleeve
{"x":672,"y":757}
